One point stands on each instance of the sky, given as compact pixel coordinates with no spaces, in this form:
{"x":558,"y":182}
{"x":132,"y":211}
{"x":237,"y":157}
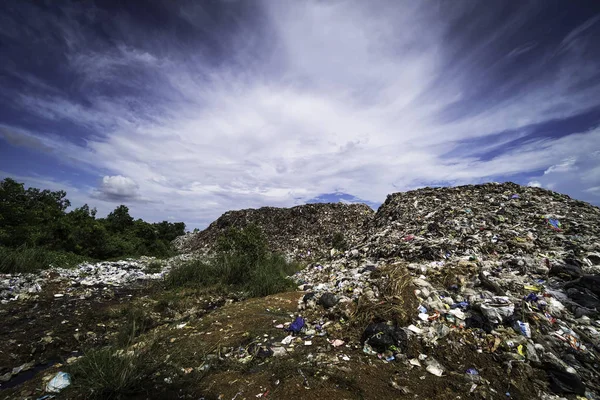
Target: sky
{"x":183,"y":110}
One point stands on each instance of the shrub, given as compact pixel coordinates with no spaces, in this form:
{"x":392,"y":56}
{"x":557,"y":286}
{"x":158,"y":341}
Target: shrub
{"x":339,"y":242}
{"x":239,"y":251}
{"x":153,"y":267}
{"x":242,"y":261}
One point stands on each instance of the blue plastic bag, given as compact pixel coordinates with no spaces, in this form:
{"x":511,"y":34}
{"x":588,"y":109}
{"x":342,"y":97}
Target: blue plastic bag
{"x":554,"y":223}
{"x":297,"y":325}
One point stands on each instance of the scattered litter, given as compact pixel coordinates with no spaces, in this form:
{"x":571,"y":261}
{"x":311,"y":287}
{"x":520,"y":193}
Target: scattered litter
{"x":60,"y":381}
{"x":554,"y":223}
{"x":434,"y":367}
{"x":287,"y":339}
{"x":524,"y":328}
{"x":415,"y":329}
{"x":297,"y":325}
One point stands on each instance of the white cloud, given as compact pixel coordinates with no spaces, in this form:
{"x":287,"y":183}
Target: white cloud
{"x":350,"y":103}
{"x":595,"y":189}
{"x":566,"y":165}
{"x":534,"y":184}
{"x":580,"y":175}
{"x":118,"y":188}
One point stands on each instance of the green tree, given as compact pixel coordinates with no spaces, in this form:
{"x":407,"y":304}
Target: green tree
{"x":169,"y":231}
{"x":119,"y":220}
{"x":37,"y":219}
{"x":29,"y":217}
{"x":83,"y":234}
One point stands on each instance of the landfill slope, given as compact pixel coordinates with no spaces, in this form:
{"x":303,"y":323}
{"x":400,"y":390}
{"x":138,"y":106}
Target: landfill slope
{"x":489,"y":219}
{"x":488,"y":291}
{"x":305,"y":231}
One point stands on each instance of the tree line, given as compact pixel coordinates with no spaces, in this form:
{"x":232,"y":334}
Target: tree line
{"x":34,"y":218}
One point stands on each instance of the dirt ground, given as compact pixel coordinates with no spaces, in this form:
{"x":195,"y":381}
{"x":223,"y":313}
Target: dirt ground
{"x":187,"y":327}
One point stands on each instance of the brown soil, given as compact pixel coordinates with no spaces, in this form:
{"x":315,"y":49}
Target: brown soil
{"x":318,"y":371}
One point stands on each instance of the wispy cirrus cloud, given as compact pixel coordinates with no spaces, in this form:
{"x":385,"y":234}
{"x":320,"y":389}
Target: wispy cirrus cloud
{"x":281,"y":103}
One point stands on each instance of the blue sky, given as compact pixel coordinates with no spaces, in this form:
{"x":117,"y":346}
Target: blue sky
{"x":184,"y":110}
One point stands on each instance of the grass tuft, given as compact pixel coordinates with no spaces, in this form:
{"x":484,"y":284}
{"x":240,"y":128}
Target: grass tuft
{"x":339,"y":242}
{"x":136,"y":322}
{"x":397,"y":300}
{"x":109,"y":374}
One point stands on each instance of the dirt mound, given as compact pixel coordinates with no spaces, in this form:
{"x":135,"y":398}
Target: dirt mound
{"x":436,"y":223}
{"x":305,"y":231}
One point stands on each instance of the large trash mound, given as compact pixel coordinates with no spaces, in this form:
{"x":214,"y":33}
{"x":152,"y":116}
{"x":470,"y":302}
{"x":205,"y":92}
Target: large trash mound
{"x":493,"y":288}
{"x":305,"y":231}
{"x":489,"y":219}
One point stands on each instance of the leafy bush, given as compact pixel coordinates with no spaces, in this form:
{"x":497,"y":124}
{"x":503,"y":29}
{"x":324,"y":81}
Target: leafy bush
{"x":339,"y":242}
{"x":242,"y":261}
{"x":107,"y":374}
{"x":153,"y":267}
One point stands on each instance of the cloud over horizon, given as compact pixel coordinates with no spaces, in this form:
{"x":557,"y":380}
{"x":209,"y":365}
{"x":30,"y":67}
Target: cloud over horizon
{"x":195,"y":109}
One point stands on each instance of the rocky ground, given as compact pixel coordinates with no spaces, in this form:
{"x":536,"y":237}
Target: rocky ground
{"x":484,"y":292}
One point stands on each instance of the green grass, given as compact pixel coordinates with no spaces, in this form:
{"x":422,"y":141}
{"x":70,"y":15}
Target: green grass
{"x":241,"y":262}
{"x":110,"y":374}
{"x":153,"y":267}
{"x":270,"y":276}
{"x":267,"y":276}
{"x":191,"y":274}
{"x":136,"y":321}
{"x":25,"y":259}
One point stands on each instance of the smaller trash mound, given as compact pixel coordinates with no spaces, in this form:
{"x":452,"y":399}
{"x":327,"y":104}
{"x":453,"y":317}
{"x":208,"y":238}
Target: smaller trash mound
{"x":123,"y":273}
{"x":305,"y":231}
{"x":483,"y":220}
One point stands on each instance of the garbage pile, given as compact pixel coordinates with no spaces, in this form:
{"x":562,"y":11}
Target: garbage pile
{"x":483,"y":220}
{"x":496,"y":270}
{"x":301,"y":232}
{"x":113,"y":273}
{"x":107,"y":273}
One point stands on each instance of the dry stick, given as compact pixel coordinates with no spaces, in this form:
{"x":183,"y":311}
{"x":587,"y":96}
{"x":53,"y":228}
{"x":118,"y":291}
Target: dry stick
{"x":305,"y":380}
